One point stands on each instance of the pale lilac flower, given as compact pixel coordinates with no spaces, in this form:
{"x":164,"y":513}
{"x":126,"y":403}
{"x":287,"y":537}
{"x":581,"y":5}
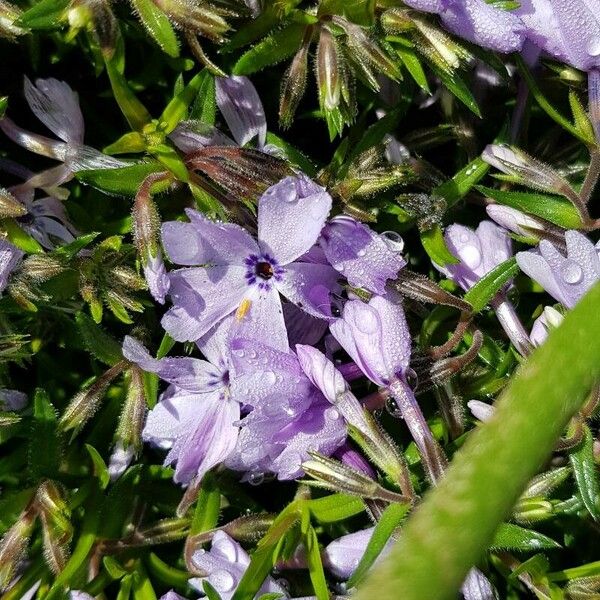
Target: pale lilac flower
{"x":78,"y":595}
{"x":516,"y":221}
{"x":195,"y":418}
{"x":120,"y":459}
{"x":56,"y":105}
{"x":242,"y":273}
{"x":565,"y":278}
{"x":289,"y":416}
{"x":342,"y":556}
{"x":10,"y":258}
{"x":548,"y":320}
{"x":240,"y":104}
{"x":478,"y":251}
{"x":477,"y":21}
{"x":242,"y":110}
{"x":568,"y":30}
{"x":12,"y":400}
{"x":225,"y":564}
{"x":367,"y":259}
{"x":353,"y":459}
{"x":376,"y":336}
{"x":481,"y":410}
{"x":171,"y":595}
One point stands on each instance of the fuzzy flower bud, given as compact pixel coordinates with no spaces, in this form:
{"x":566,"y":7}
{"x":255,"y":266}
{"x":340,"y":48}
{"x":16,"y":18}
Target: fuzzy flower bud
{"x":328,"y":70}
{"x":10,"y":207}
{"x":293,"y":86}
{"x":13,"y":546}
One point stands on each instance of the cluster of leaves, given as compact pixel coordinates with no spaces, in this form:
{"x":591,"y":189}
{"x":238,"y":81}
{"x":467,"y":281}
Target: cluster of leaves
{"x":65,"y":311}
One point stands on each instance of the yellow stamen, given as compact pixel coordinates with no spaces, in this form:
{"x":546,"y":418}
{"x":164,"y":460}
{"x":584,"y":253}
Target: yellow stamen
{"x":243,"y":309}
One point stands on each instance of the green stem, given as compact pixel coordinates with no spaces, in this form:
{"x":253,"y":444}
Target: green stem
{"x":455,"y":525}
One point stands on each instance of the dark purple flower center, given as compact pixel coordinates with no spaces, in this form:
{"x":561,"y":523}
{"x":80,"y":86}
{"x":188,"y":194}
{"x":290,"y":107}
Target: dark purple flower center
{"x":264,"y":270}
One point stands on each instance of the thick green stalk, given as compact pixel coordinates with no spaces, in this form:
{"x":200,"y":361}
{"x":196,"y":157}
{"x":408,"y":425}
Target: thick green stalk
{"x":456,"y":523}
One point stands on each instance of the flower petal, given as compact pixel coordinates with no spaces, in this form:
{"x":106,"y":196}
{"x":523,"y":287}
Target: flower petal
{"x":56,"y":105}
{"x":239,"y":103}
{"x":183,"y":243}
{"x":291,"y":214}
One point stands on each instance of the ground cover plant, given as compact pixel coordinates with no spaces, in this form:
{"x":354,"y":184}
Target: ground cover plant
{"x":299,"y":299}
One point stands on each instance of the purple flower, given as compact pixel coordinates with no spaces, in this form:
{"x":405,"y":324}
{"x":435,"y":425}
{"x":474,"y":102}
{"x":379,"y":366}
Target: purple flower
{"x":479,"y":252}
{"x":12,"y":400}
{"x":376,"y":337}
{"x":342,"y":556}
{"x":477,"y":22}
{"x":195,"y":418}
{"x":56,"y":105}
{"x":289,"y":416}
{"x":364,"y":257}
{"x":565,"y":278}
{"x":568,"y":30}
{"x":10,"y":257}
{"x":225,"y":564}
{"x":242,"y":273}
{"x":239,"y":103}
{"x":548,"y":320}
{"x":171,"y":595}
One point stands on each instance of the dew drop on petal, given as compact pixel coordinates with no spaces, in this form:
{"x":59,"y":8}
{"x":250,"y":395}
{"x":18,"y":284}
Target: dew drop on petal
{"x":464,"y":238}
{"x":470,"y":256}
{"x":367,"y":322}
{"x":256,"y":478}
{"x":393,"y":241}
{"x":571,"y":272}
{"x":593,"y":46}
{"x":392,"y":408}
{"x":332,"y":414}
{"x":270,"y":378}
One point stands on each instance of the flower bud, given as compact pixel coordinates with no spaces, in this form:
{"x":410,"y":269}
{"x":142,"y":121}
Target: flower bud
{"x":86,"y":402}
{"x":9,"y":14}
{"x":197,"y":17}
{"x":10,"y":207}
{"x":293,"y":86}
{"x":516,"y":221}
{"x":41,"y":267}
{"x":328,"y":70}
{"x":481,"y":410}
{"x":525,"y":168}
{"x":13,"y":546}
{"x":544,"y":483}
{"x":532,"y":510}
{"x":333,"y":475}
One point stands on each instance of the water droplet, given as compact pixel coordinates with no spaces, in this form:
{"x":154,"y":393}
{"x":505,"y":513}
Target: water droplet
{"x":222,"y":580}
{"x":392,"y":408}
{"x":571,"y":272}
{"x":332,"y":414}
{"x":470,"y":256}
{"x":464,"y":237}
{"x":412,"y":378}
{"x":393,"y":241}
{"x":361,"y":252}
{"x":256,"y":478}
{"x":240,"y":353}
{"x":593,"y":46}
{"x":270,"y":378}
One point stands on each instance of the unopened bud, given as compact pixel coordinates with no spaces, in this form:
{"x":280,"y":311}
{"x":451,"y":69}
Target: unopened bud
{"x":544,"y":483}
{"x":10,"y":207}
{"x":197,"y":17}
{"x":480,"y":410}
{"x":120,"y":459}
{"x":333,"y":475}
{"x":525,"y":168}
{"x":532,"y":510}
{"x":328,"y":70}
{"x":293,"y":86}
{"x":131,"y":421}
{"x":9,"y":14}
{"x":57,"y":530}
{"x":86,"y":402}
{"x":128,"y":278}
{"x":397,"y":20}
{"x":516,"y":221}
{"x":41,"y":267}
{"x":146,"y":221}
{"x":13,"y":546}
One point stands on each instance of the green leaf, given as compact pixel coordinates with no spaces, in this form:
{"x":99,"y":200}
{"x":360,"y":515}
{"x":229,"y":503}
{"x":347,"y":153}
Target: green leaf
{"x":272,"y":50}
{"x":586,"y":474}
{"x":3,"y":106}
{"x":491,"y":283}
{"x":292,"y":154}
{"x":157,"y":25}
{"x":131,"y":142}
{"x":123,"y":181}
{"x":412,"y":63}
{"x":170,"y":159}
{"x":208,"y":505}
{"x":514,"y":538}
{"x":435,"y":245}
{"x":392,"y":516}
{"x":456,"y":188}
{"x":44,"y":443}
{"x":315,"y":565}
{"x":457,"y":521}
{"x":210,"y":591}
{"x":555,"y":209}
{"x":71,"y":250}
{"x":99,"y":343}
{"x":100,"y":468}
{"x":15,"y":235}
{"x":133,"y":110}
{"x":205,"y":105}
{"x":177,"y":108}
{"x":361,"y":12}
{"x":46,"y":14}
{"x":458,"y":87}
{"x":335,"y":507}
